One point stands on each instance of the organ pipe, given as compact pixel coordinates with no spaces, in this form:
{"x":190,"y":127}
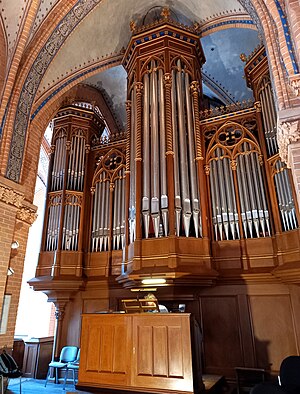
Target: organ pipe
{"x":176,"y":163}
{"x":185,"y":192}
{"x":146,"y":158}
{"x":154,"y":151}
{"x":162,"y":144}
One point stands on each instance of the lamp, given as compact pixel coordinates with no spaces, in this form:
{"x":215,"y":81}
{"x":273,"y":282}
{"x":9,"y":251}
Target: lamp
{"x":154,"y":281}
{"x":15,"y":245}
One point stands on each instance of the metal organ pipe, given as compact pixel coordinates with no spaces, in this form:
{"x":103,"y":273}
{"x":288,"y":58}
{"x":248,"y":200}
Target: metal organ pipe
{"x":146,"y":158}
{"x":132,"y":171}
{"x":245,"y":193}
{"x":232,"y":209}
{"x":185,"y":190}
{"x":262,"y":193}
{"x":217,"y":195}
{"x":213,"y":201}
{"x":191,"y":155}
{"x":257,"y":190}
{"x":154,"y":151}
{"x":123,"y":209}
{"x":250,"y":184}
{"x":176,"y":161}
{"x":163,"y":165}
{"x":291,"y":204}
{"x":223,"y":205}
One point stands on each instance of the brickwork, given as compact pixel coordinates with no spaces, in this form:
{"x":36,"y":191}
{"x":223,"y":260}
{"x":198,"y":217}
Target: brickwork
{"x":293,"y":13}
{"x":7,"y":228}
{"x":14,"y":281}
{"x":3,"y":58}
{"x":15,"y":81}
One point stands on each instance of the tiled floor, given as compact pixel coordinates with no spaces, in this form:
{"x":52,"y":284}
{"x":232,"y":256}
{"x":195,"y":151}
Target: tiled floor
{"x":32,"y":386}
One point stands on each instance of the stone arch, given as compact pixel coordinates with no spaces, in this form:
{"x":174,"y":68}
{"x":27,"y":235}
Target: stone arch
{"x":39,"y":124}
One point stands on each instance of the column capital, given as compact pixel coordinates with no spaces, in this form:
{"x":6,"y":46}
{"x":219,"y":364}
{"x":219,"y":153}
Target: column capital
{"x":288,"y":131}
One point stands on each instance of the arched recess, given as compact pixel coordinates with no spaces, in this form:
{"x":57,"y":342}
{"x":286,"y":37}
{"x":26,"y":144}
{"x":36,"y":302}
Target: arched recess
{"x":39,"y":124}
{"x":3,"y":57}
{"x":26,"y":86}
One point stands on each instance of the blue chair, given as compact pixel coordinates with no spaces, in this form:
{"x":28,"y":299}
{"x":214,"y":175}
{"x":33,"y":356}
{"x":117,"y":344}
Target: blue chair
{"x":72,"y":366}
{"x":67,"y":354}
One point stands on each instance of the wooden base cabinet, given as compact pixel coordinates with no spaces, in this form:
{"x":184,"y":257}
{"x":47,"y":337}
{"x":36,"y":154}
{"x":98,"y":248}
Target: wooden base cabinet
{"x":149,"y":352}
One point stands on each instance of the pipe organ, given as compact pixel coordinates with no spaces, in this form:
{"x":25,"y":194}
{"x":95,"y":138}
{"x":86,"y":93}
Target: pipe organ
{"x":179,"y":186}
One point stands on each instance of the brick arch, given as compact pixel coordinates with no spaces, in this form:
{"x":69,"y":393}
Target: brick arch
{"x":293,"y":12}
{"x":26,"y":86}
{"x":267,"y":13}
{"x":39,"y":124}
{"x":3,"y":57}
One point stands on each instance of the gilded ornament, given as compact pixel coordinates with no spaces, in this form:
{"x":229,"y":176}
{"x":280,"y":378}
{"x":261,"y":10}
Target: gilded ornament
{"x":165,"y":13}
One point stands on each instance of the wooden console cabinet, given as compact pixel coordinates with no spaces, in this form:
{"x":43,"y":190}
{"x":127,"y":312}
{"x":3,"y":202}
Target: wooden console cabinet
{"x":147,"y":352}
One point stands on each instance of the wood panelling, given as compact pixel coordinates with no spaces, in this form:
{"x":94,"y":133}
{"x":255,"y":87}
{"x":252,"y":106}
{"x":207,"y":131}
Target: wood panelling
{"x":273,"y":329}
{"x":105,"y":345}
{"x":221,"y":334}
{"x":144,"y":352}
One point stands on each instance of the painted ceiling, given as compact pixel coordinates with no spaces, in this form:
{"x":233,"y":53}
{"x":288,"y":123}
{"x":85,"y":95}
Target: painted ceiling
{"x":105,"y":31}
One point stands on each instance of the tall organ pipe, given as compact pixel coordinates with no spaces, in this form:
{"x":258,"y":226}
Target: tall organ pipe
{"x":132,"y":170}
{"x":191,"y":161}
{"x":163,"y":165}
{"x":224,"y":207}
{"x":185,"y":190}
{"x":146,"y":158}
{"x":154,"y":151}
{"x":250,"y":187}
{"x":176,"y":161}
{"x":115,"y":215}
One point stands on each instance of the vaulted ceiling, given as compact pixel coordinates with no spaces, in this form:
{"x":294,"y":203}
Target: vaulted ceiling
{"x":226,"y":31}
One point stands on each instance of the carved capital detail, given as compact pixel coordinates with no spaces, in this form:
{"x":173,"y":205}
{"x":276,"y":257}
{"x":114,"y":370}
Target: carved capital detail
{"x":295,"y":84}
{"x":27,"y":215}
{"x":11,"y":197}
{"x":287,"y":132}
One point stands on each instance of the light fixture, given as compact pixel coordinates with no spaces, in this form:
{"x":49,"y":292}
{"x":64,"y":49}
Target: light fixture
{"x":10,"y":271}
{"x":15,"y":245}
{"x":154,"y":281}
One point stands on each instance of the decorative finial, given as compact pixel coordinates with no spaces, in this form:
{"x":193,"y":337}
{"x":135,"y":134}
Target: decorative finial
{"x":165,"y":12}
{"x":243,"y":57}
{"x":132,"y":26}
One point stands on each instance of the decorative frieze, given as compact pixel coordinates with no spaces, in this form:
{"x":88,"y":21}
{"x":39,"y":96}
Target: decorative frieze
{"x":295,"y":84}
{"x":14,"y":198}
{"x":11,"y":197}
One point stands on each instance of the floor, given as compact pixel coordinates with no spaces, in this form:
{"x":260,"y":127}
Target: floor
{"x":32,"y":386}
{"x":213,"y":384}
